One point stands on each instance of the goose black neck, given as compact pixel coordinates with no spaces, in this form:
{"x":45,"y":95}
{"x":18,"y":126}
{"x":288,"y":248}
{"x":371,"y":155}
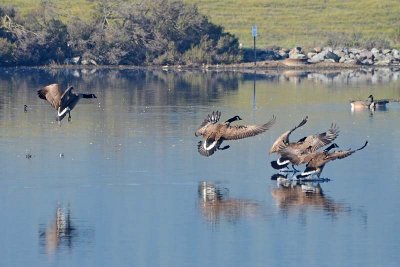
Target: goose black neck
{"x":232,"y":119}
{"x":88,"y":96}
{"x":330,"y":147}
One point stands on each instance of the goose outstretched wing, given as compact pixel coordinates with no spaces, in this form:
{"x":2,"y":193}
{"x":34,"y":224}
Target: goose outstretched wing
{"x":212,"y":118}
{"x":283,"y":140}
{"x":315,"y":142}
{"x":326,"y":157}
{"x":52,"y":94}
{"x":341,"y":154}
{"x":243,"y":131}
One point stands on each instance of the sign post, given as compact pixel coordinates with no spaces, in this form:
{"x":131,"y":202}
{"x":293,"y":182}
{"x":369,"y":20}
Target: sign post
{"x":254,"y":34}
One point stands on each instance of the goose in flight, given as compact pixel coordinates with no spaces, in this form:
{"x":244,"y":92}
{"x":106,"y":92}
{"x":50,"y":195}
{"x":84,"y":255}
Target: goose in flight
{"x":307,"y":144}
{"x":215,"y":133}
{"x":317,"y":163}
{"x":63,"y":102}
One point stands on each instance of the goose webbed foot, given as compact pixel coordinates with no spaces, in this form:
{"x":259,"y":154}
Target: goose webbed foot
{"x":69,"y":116}
{"x":223,"y":148}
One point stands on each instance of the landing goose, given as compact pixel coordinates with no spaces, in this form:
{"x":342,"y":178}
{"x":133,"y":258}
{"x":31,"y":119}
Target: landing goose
{"x":306,"y":144}
{"x":63,"y":102}
{"x":215,"y":133}
{"x":318,"y":161}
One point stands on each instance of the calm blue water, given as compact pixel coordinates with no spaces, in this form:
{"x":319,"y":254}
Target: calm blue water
{"x":122,"y":184}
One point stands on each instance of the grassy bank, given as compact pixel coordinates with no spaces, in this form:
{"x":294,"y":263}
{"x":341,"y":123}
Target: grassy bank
{"x":283,"y":22}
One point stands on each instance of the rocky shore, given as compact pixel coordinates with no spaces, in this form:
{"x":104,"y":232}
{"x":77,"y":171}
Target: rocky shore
{"x":333,"y":57}
{"x":316,"y":58}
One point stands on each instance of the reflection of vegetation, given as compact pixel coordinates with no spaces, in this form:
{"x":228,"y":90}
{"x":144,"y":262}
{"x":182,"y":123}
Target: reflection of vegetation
{"x":167,"y":88}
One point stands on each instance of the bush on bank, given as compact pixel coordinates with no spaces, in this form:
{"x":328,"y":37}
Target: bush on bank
{"x":118,"y":33}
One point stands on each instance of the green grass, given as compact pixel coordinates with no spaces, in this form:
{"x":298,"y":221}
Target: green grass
{"x":280,"y":22}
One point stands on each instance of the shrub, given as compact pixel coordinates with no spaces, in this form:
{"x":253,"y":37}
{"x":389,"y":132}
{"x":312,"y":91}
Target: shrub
{"x":6,"y":53}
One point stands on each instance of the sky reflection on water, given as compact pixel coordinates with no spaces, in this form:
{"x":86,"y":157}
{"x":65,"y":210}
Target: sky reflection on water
{"x":130,"y":178}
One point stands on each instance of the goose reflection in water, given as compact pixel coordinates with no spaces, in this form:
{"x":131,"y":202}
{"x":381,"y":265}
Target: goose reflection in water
{"x":60,"y":232}
{"x":216,"y":205}
{"x":296,"y":196}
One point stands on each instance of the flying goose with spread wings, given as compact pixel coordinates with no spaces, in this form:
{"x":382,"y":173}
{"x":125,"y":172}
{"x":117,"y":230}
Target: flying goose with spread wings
{"x":215,"y":133}
{"x":63,"y":102}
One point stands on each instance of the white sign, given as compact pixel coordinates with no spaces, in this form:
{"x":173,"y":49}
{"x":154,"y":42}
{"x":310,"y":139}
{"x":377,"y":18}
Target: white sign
{"x":254,"y":31}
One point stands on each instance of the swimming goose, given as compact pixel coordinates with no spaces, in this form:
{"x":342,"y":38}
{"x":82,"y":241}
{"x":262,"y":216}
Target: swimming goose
{"x":215,"y":133}
{"x":306,"y":144}
{"x":370,"y":103}
{"x":63,"y":102}
{"x":318,"y":161}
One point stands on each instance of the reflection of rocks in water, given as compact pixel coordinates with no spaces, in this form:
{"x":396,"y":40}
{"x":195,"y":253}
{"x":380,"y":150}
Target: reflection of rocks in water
{"x":60,"y":232}
{"x":350,"y":76}
{"x":296,"y":197}
{"x":215,"y":204}
{"x":294,"y":76}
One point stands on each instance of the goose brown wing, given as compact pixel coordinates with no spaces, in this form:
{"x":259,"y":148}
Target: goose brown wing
{"x":320,"y":140}
{"x":341,"y":154}
{"x":243,"y":131}
{"x":296,"y":155}
{"x":52,"y":94}
{"x":283,"y":140}
{"x":212,"y":118}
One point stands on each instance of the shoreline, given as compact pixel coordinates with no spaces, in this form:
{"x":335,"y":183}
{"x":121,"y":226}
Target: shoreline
{"x":277,"y":65}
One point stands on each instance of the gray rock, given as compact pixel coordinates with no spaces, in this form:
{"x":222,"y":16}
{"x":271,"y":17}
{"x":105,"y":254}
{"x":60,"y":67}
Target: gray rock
{"x":298,"y":56}
{"x":294,"y":51}
{"x":311,"y":54}
{"x":351,"y":61}
{"x":383,"y":62}
{"x":396,"y":53}
{"x":333,"y":56}
{"x":375,"y":51}
{"x":367,"y":62}
{"x":318,"y":57}
{"x":75,"y":60}
{"x":365,"y":54}
{"x":340,"y":53}
{"x":354,"y":51}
